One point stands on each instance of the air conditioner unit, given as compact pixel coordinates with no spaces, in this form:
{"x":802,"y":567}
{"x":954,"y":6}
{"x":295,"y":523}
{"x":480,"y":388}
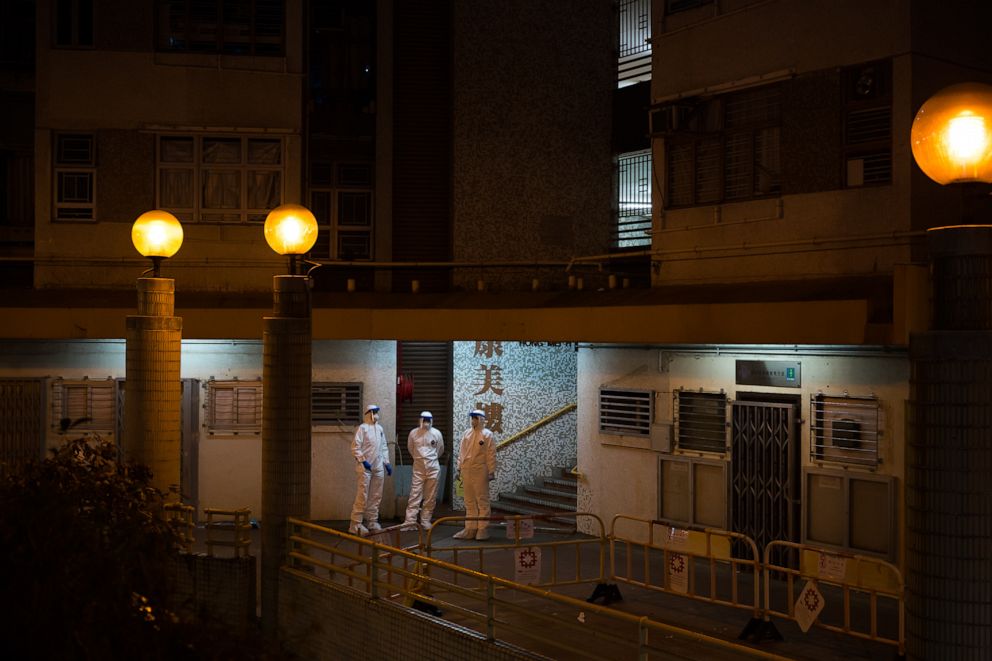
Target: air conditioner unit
{"x":670,"y":119}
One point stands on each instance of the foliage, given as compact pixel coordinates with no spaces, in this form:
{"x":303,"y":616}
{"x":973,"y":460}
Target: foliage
{"x":88,"y":560}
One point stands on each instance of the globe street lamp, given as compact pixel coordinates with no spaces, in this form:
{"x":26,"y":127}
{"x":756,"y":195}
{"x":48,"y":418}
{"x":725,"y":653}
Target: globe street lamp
{"x":290,"y":230}
{"x":152,"y":386}
{"x":948,"y":491}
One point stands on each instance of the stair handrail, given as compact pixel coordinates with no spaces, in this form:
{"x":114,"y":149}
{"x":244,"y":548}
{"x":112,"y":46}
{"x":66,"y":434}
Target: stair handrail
{"x":537,"y":425}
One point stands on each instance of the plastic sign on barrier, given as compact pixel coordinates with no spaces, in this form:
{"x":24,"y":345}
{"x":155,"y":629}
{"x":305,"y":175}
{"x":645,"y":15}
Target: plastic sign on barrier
{"x":808,"y":606}
{"x":527,"y":565}
{"x":832,"y":567}
{"x":526,"y":527}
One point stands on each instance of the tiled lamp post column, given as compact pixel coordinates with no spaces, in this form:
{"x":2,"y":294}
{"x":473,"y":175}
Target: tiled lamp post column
{"x":949,"y":455}
{"x":152,"y":386}
{"x":286,"y":363}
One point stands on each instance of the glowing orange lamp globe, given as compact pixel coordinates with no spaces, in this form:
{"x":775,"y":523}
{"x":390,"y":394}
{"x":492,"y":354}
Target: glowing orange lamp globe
{"x":952,"y":134}
{"x":290,"y":229}
{"x":157,"y":234}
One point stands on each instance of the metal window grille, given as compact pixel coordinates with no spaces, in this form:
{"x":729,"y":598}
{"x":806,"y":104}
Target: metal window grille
{"x":84,"y":405}
{"x":633,"y":200}
{"x":234,"y":406}
{"x":700,"y":421}
{"x":723,"y":149}
{"x":845,"y":429}
{"x":336,"y":403}
{"x":625,"y":412}
{"x":633,"y":41}
{"x":867,"y":123}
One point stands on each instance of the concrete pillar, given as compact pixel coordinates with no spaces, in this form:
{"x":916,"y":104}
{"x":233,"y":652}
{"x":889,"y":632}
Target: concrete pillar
{"x":286,"y":378}
{"x":949,"y":455}
{"x":152,"y":389}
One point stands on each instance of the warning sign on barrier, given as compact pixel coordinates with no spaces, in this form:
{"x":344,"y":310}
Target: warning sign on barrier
{"x":526,"y":527}
{"x":678,"y":573}
{"x":677,"y":538}
{"x":808,"y":606}
{"x":832,"y":567}
{"x":527,"y":565}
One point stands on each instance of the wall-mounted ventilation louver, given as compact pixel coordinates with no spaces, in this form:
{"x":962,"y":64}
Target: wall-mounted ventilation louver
{"x":625,"y":412}
{"x":700,"y":421}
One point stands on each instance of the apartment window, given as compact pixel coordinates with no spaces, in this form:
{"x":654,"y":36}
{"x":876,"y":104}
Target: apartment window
{"x":341,"y":200}
{"x":84,"y":405}
{"x":724,"y":149}
{"x":336,"y":404}
{"x":234,"y":27}
{"x":220,"y":179}
{"x":867,"y":121}
{"x":234,"y":407}
{"x":75,"y":176}
{"x":74,"y":23}
{"x":700,"y":421}
{"x":625,"y":412}
{"x":633,"y":200}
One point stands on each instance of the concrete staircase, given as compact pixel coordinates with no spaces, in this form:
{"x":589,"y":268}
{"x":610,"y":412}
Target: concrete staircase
{"x":546,"y":497}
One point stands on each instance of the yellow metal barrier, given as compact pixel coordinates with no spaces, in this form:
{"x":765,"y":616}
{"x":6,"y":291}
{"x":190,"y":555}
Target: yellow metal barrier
{"x":181,"y":518}
{"x":672,"y":559}
{"x":490,"y":557}
{"x":233,"y":525}
{"x":852,"y":575}
{"x":536,"y":619}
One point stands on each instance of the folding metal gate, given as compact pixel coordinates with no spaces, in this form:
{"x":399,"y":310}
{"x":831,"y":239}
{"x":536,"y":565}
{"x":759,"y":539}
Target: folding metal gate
{"x":22,"y":420}
{"x":764,"y":472}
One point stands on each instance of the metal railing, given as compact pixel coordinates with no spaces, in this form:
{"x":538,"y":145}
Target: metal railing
{"x":230,"y":529}
{"x":848,"y":573}
{"x":181,"y":518}
{"x":494,"y":607}
{"x":698,"y":564}
{"x":565,"y":556}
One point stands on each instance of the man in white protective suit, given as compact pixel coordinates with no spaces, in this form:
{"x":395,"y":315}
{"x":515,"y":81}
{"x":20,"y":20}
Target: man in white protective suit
{"x":426,"y":445}
{"x":477,"y":467}
{"x":371,"y":457}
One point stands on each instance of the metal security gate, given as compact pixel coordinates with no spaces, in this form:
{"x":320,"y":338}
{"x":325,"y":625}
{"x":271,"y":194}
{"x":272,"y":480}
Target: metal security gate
{"x":764,"y":472}
{"x":22,"y":421}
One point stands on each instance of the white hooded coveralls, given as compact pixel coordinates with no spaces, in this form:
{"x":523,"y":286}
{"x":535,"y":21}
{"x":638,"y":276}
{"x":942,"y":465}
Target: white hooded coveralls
{"x":476,"y":462}
{"x":426,"y":445}
{"x":369,"y":445}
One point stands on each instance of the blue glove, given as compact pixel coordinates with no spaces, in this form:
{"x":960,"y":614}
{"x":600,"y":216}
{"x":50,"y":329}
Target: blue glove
{"x":389,"y":470}
{"x":367,"y":465}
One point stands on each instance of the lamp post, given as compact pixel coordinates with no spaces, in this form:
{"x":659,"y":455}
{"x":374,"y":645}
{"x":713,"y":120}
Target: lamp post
{"x":290,"y":230}
{"x":152,"y":386}
{"x":949,"y":454}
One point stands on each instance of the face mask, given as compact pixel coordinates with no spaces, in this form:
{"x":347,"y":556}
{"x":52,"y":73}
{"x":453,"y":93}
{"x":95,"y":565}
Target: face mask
{"x":477,"y":423}
{"x":425,"y":423}
{"x":375,"y":417}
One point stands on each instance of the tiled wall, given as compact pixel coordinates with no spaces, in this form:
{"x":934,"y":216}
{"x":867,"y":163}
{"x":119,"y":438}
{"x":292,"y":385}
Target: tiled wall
{"x":517,"y":384}
{"x":321,"y":621}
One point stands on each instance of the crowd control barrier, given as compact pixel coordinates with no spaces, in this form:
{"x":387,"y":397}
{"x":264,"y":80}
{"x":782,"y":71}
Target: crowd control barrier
{"x":698,"y":564}
{"x":829,"y":587}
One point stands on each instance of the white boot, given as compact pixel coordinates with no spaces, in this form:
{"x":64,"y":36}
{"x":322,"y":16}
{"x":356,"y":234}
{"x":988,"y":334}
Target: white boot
{"x":464,"y":534}
{"x":483,"y":534}
{"x":358,"y":529}
{"x":374,"y":526}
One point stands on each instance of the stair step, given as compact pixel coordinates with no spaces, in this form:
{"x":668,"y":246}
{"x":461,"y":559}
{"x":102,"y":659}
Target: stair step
{"x":553,"y":522}
{"x":562,"y":482}
{"x":541,"y":504}
{"x":568,"y":496}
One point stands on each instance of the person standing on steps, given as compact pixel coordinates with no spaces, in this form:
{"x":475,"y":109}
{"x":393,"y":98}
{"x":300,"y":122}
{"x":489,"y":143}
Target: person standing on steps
{"x":425,"y":445}
{"x":371,"y":457}
{"x":477,"y":467}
